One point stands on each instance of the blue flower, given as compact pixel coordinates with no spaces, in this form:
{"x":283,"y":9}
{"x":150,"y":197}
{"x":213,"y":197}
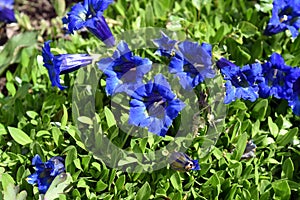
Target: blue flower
{"x":182,"y":162}
{"x":89,"y":14}
{"x":7,"y":14}
{"x":285,"y":15}
{"x":192,"y":63}
{"x":123,"y":69}
{"x":249,"y":151}
{"x":166,"y":46}
{"x":294,"y":98}
{"x":45,"y":172}
{"x":62,"y":64}
{"x":241,"y":82}
{"x":154,"y":105}
{"x":277,"y":77}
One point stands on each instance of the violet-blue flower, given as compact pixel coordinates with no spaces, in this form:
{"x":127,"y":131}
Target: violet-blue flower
{"x":123,"y":70}
{"x":62,"y":64}
{"x":154,"y":105}
{"x":241,"y":83}
{"x":285,"y":15}
{"x":276,"y":82}
{"x":7,"y":14}
{"x":294,"y":97}
{"x":89,"y":14}
{"x":45,"y":172}
{"x":166,"y":46}
{"x":182,"y":162}
{"x":192,"y":63}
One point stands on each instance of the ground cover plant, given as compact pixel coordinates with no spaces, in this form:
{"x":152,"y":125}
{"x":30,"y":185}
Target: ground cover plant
{"x":149,"y":99}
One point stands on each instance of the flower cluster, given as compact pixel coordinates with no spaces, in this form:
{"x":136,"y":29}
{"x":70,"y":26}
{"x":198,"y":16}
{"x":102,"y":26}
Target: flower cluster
{"x":45,"y":172}
{"x":271,"y":79}
{"x":153,"y":104}
{"x":7,"y":14}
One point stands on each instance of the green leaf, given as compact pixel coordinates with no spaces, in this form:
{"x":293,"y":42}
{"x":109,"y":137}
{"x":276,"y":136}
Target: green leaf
{"x":64,"y":118}
{"x":120,"y":182}
{"x":6,"y":180}
{"x":260,"y":109}
{"x":176,"y":182}
{"x":59,"y":6}
{"x":161,"y":8}
{"x":19,"y":136}
{"x":59,"y":184}
{"x":240,"y":146}
{"x":100,"y":186}
{"x":12,"y":48}
{"x":149,"y":16}
{"x":282,"y":189}
{"x":282,"y":140}
{"x":196,"y":3}
{"x":109,"y":117}
{"x":144,"y":192}
{"x":2,"y":130}
{"x":247,"y":29}
{"x":273,"y":127}
{"x":288,"y":168}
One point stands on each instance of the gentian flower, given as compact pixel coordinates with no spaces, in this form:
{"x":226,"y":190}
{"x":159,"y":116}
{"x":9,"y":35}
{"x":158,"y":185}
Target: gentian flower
{"x":45,"y":172}
{"x":123,"y":69}
{"x":249,"y":151}
{"x":154,"y":105}
{"x":278,"y":78}
{"x":294,"y":96}
{"x":182,"y":162}
{"x":7,"y":11}
{"x":62,"y":64}
{"x":241,"y":82}
{"x":89,"y":14}
{"x":192,"y":63}
{"x":285,"y":15}
{"x":166,"y":46}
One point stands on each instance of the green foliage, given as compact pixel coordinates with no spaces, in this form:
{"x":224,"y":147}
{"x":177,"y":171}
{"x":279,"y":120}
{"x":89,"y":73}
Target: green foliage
{"x":36,"y":118}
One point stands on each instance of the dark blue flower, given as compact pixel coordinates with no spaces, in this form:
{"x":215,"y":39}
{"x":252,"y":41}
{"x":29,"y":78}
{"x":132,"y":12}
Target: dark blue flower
{"x":7,"y":14}
{"x":154,"y":105}
{"x":285,"y":15}
{"x":89,"y":14}
{"x":294,"y":98}
{"x":249,"y":151}
{"x":123,"y":69}
{"x":241,"y":83}
{"x":62,"y":64}
{"x":166,"y":46}
{"x":278,"y":80}
{"x":182,"y":162}
{"x":192,"y":63}
{"x":45,"y":172}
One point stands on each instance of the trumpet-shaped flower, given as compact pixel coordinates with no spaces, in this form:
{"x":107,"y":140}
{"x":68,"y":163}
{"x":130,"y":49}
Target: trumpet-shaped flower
{"x":166,"y":46}
{"x":123,"y":69}
{"x":240,"y":82}
{"x":154,"y":105}
{"x":62,"y":64}
{"x":250,"y":150}
{"x":89,"y":14}
{"x":285,"y":15}
{"x":7,"y":14}
{"x":294,"y":100}
{"x":278,"y":78}
{"x":45,"y":172}
{"x":182,"y":162}
{"x":192,"y":63}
